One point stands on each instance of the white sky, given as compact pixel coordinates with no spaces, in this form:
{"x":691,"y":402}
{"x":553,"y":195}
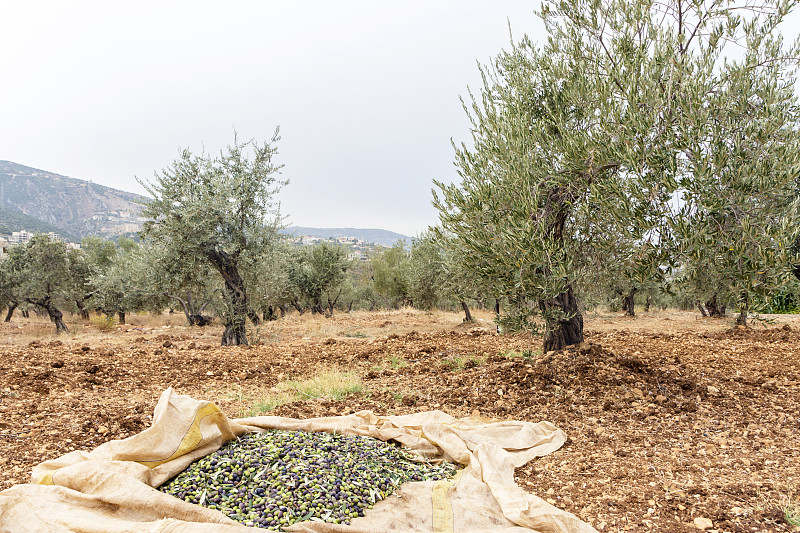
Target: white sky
{"x":366,"y":93}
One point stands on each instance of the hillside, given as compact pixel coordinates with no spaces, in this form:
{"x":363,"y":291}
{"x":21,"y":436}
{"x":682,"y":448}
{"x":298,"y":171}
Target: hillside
{"x":377,"y":236}
{"x":12,"y":220}
{"x":69,"y":206}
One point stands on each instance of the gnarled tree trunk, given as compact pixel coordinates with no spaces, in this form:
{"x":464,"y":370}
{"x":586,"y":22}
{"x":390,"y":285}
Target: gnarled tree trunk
{"x":627,"y":303}
{"x":563,"y":319}
{"x":300,"y":308}
{"x":56,"y":316}
{"x":238,"y":308}
{"x":714,"y":309}
{"x":701,"y":308}
{"x":235,"y":318}
{"x":82,"y":310}
{"x":11,"y":307}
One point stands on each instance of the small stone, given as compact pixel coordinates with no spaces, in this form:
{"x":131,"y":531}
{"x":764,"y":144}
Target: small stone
{"x":661,"y":398}
{"x":499,"y":392}
{"x":703,"y":523}
{"x":638,"y":393}
{"x":713,"y":391}
{"x":102,"y":430}
{"x":738,"y":511}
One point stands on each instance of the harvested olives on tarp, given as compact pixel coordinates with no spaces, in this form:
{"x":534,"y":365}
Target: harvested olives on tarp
{"x":277,"y":478}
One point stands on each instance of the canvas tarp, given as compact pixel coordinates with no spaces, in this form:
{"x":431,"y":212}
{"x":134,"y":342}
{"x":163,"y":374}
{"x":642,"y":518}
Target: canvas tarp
{"x":112,"y":489}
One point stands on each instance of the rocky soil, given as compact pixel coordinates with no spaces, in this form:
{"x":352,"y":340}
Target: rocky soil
{"x":673,"y":423}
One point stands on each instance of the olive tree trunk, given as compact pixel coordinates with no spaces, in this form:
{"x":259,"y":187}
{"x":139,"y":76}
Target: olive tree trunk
{"x":467,"y":314}
{"x":715,"y":310}
{"x":56,"y":316}
{"x":11,"y":307}
{"x":238,"y":308}
{"x":627,"y":304}
{"x":744,"y":308}
{"x":563,"y":320}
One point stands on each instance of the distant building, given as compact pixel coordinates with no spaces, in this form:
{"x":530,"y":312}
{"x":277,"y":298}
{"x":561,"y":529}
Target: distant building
{"x":23,"y":237}
{"x":20,"y":237}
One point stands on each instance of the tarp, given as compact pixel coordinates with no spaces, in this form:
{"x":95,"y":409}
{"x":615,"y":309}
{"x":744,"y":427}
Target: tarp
{"x":113,"y":488}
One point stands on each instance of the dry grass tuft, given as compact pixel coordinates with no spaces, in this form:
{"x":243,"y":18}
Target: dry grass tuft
{"x":330,"y":384}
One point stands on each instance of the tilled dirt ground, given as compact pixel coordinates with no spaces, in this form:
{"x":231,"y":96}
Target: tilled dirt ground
{"x":669,"y":418}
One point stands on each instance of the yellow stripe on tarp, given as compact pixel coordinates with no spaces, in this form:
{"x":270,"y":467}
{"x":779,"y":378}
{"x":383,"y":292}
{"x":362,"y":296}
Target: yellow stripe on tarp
{"x":46,"y":480}
{"x":442,"y":508}
{"x":192,"y":437}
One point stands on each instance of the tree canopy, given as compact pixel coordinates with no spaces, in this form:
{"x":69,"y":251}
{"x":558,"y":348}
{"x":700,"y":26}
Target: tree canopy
{"x":221,"y":210}
{"x":617,"y":125}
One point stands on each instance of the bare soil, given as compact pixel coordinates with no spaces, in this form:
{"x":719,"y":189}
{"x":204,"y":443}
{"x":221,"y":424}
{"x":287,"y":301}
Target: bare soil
{"x":669,"y":417}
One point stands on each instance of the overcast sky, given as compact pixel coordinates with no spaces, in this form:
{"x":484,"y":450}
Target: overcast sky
{"x":366,"y":94}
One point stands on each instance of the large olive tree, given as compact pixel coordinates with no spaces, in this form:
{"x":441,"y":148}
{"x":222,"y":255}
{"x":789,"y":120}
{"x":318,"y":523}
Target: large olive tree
{"x":598,"y":132}
{"x":220,"y":210}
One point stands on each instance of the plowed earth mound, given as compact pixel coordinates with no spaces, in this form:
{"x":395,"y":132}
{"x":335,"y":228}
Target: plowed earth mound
{"x":665,"y":425}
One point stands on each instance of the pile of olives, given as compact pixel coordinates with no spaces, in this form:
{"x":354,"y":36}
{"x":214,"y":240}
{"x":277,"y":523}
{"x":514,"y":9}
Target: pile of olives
{"x":274,"y":479}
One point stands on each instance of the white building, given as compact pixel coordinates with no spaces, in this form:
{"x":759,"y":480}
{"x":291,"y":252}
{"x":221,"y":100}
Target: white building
{"x":20,"y":237}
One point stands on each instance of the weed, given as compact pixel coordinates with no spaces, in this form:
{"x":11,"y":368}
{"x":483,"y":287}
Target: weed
{"x":524,"y":354}
{"x":396,"y":362}
{"x":354,"y":334}
{"x":265,"y":405}
{"x":262,"y":334}
{"x":791,"y":511}
{"x":103,"y":323}
{"x":329,"y":385}
{"x":237,"y":394}
{"x":452,"y":364}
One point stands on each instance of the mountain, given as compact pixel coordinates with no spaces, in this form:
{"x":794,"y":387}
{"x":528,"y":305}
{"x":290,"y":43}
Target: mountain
{"x":41,"y":202}
{"x":377,"y":236}
{"x":71,"y":206}
{"x":12,"y":220}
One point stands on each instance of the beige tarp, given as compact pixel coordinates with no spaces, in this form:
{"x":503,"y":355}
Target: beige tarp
{"x":111,"y":488}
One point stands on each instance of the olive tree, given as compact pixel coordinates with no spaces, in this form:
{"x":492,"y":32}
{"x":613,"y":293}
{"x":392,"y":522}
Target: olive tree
{"x":427,"y":271}
{"x":391,"y":275}
{"x":318,"y":274}
{"x":598,"y":132}
{"x":38,"y":273}
{"x":219,"y":210}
